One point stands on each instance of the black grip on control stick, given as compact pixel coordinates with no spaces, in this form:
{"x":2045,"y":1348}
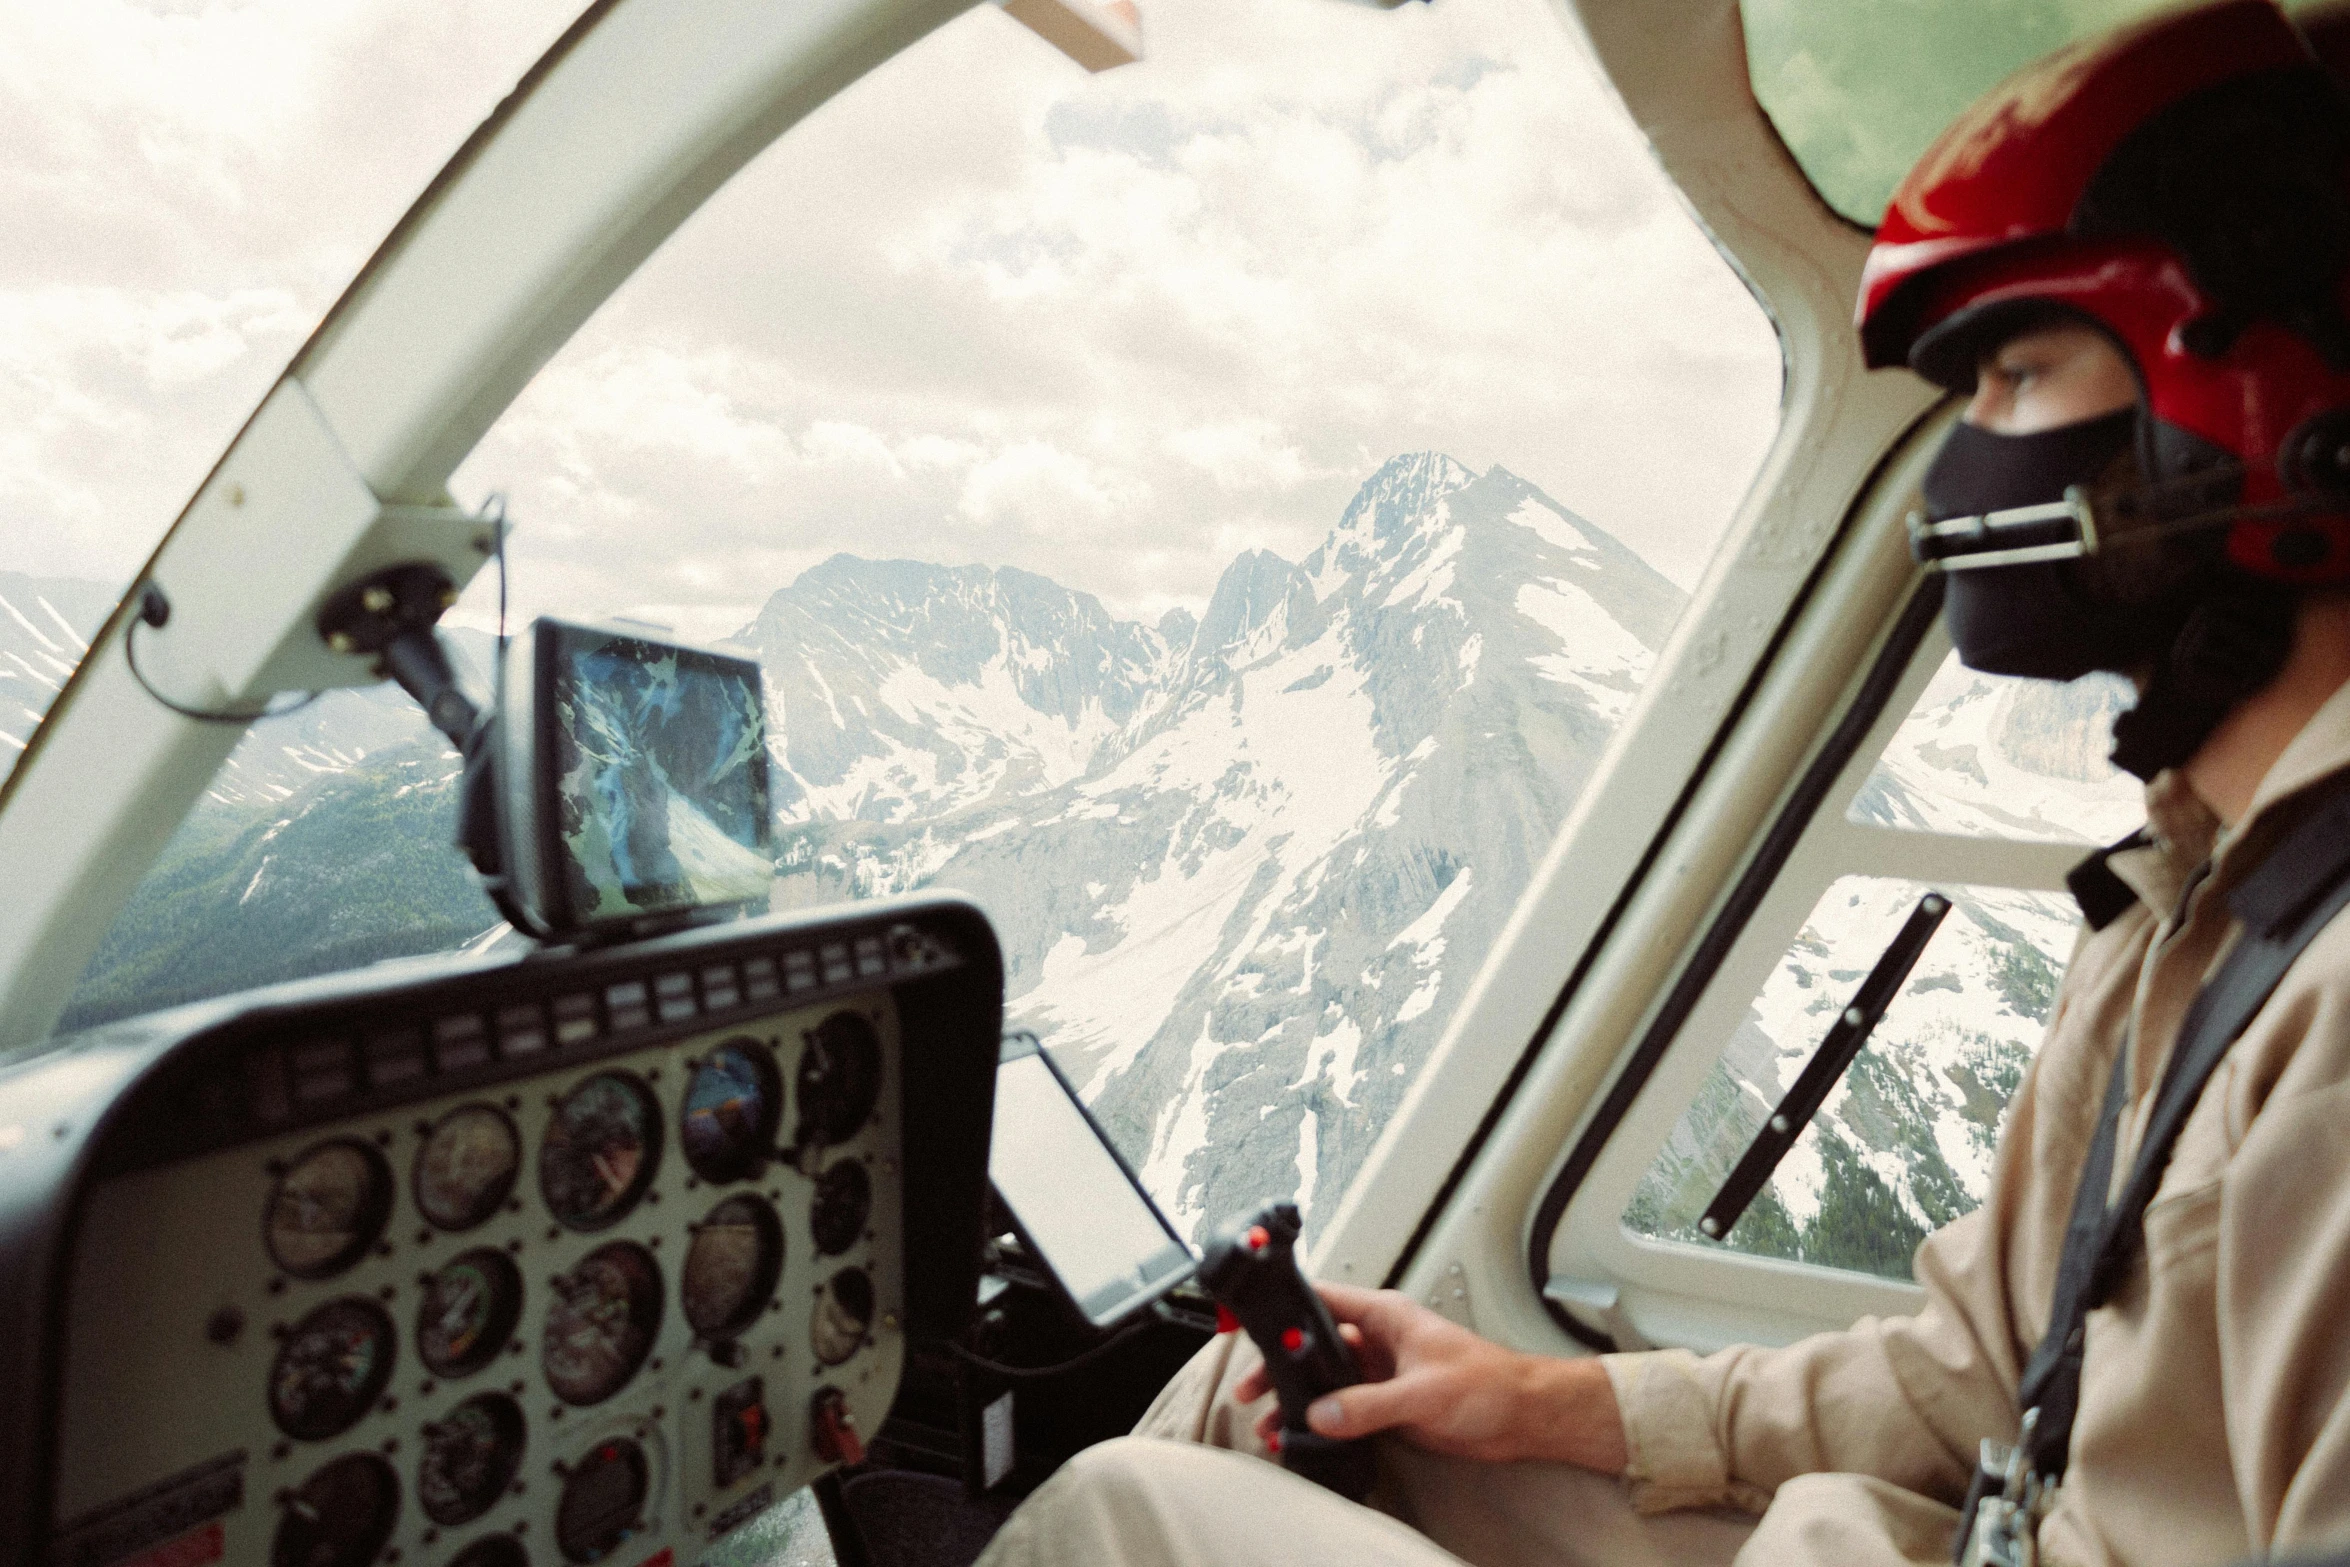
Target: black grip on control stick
{"x":1252,"y":1271}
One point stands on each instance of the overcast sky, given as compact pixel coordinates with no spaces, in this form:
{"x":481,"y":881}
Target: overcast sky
{"x":983,"y":307}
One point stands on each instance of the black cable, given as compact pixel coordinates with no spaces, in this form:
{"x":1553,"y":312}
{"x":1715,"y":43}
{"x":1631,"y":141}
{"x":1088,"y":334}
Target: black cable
{"x":495,"y":509}
{"x":1030,"y":1373}
{"x":217,"y":716}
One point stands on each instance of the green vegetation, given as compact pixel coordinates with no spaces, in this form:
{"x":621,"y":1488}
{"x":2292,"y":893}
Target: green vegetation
{"x":2026,"y":980}
{"x":1861,"y":1225}
{"x":355,"y":868}
{"x":1862,"y":1222}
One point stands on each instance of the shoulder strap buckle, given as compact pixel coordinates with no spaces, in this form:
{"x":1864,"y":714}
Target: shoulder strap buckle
{"x":2004,"y":1506}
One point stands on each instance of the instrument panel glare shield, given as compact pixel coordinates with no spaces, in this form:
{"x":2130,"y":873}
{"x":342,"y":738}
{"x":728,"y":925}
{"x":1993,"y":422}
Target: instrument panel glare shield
{"x":602,"y":1147}
{"x":466,"y":1168}
{"x":328,"y":1208}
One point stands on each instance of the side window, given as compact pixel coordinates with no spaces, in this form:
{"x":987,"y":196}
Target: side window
{"x":1988,"y":756}
{"x":1903,"y":1142}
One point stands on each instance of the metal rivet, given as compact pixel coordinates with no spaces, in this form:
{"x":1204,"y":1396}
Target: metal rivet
{"x":1779,"y":1124}
{"x":1710,"y":1225}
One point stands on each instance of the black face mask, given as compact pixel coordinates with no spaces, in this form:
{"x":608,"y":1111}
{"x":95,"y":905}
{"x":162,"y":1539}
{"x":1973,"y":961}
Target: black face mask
{"x":2036,"y":620}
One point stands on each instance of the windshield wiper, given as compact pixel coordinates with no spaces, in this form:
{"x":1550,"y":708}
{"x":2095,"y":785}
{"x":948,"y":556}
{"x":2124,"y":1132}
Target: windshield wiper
{"x":1828,"y":1063}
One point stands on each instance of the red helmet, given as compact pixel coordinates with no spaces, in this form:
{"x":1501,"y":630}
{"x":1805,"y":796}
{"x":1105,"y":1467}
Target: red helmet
{"x":2184,"y":184}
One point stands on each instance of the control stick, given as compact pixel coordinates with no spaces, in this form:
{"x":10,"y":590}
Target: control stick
{"x":1252,"y":1271}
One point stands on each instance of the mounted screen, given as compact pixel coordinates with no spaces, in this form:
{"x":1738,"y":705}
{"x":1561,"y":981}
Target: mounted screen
{"x":1082,"y":1210}
{"x":635,"y":779}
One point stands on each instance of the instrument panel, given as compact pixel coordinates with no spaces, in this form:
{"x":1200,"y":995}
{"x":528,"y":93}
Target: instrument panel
{"x":605,"y":1298}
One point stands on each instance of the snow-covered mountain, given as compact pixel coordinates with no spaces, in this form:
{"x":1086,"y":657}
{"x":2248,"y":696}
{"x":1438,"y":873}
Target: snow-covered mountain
{"x":45,"y":627}
{"x":1990,"y":757}
{"x":1242,"y":869}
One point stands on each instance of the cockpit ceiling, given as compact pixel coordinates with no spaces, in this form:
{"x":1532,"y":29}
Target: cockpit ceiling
{"x":1858,"y":89}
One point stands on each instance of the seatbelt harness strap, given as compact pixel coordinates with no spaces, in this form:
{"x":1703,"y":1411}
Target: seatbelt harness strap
{"x":2288,"y":899}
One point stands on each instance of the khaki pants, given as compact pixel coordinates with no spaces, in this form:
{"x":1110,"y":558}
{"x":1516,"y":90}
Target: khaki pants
{"x":1194,"y":1488}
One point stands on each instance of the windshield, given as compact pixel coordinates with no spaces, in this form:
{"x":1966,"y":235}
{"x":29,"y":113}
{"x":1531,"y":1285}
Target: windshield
{"x":1214,"y":514}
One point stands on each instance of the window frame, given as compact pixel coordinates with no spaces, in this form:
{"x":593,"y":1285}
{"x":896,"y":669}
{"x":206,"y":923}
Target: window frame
{"x":1674,"y":1291}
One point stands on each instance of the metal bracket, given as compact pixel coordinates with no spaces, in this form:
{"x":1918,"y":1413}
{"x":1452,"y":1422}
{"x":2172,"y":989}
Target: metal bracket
{"x":245,"y":594}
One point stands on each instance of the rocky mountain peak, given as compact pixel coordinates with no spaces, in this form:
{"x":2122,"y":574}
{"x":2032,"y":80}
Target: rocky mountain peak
{"x":1405,"y":491}
{"x":1261,"y":602}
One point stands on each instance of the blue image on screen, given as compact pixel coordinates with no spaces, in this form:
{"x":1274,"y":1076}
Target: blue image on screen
{"x":725,"y":1109}
{"x":661,"y":758}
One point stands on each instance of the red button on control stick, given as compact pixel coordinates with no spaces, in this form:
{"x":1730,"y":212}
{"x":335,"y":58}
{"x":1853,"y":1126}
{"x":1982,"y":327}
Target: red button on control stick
{"x":1258,"y":1237}
{"x":1293,"y":1339}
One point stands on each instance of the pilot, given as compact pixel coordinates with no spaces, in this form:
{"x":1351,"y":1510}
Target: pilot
{"x":2131,"y":261}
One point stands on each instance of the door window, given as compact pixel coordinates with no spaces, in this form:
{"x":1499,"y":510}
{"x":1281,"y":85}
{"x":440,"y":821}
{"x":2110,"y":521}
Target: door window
{"x":1903,"y":1143}
{"x":1980,"y":772}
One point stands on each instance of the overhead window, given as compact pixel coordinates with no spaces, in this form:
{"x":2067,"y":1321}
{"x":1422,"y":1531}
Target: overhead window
{"x":1858,"y":89}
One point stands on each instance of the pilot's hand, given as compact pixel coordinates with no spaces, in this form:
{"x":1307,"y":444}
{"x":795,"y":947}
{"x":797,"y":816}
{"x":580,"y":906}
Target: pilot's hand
{"x":1439,"y":1386}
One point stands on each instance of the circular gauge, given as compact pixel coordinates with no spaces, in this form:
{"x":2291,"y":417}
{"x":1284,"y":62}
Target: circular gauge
{"x":601,"y":1322}
{"x":466,"y":1167}
{"x":470,"y":1456}
{"x":603,"y":1144}
{"x":732,"y":1266}
{"x":731,"y":1107}
{"x":844,"y":1200}
{"x":339,"y":1517}
{"x":492,"y":1550}
{"x":843,"y":1312}
{"x":839,"y":1078}
{"x":332,"y":1368}
{"x":603,"y":1500}
{"x":468,"y":1312}
{"x":328,"y":1208}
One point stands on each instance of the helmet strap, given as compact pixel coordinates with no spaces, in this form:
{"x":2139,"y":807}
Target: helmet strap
{"x":2230,"y":646}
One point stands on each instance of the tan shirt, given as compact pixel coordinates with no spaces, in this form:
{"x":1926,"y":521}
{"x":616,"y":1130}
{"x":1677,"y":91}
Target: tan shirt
{"x":2213,"y":1421}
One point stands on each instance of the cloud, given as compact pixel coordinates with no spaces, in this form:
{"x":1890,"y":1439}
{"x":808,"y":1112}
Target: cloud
{"x":980,"y":308}
{"x":184,"y":188}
